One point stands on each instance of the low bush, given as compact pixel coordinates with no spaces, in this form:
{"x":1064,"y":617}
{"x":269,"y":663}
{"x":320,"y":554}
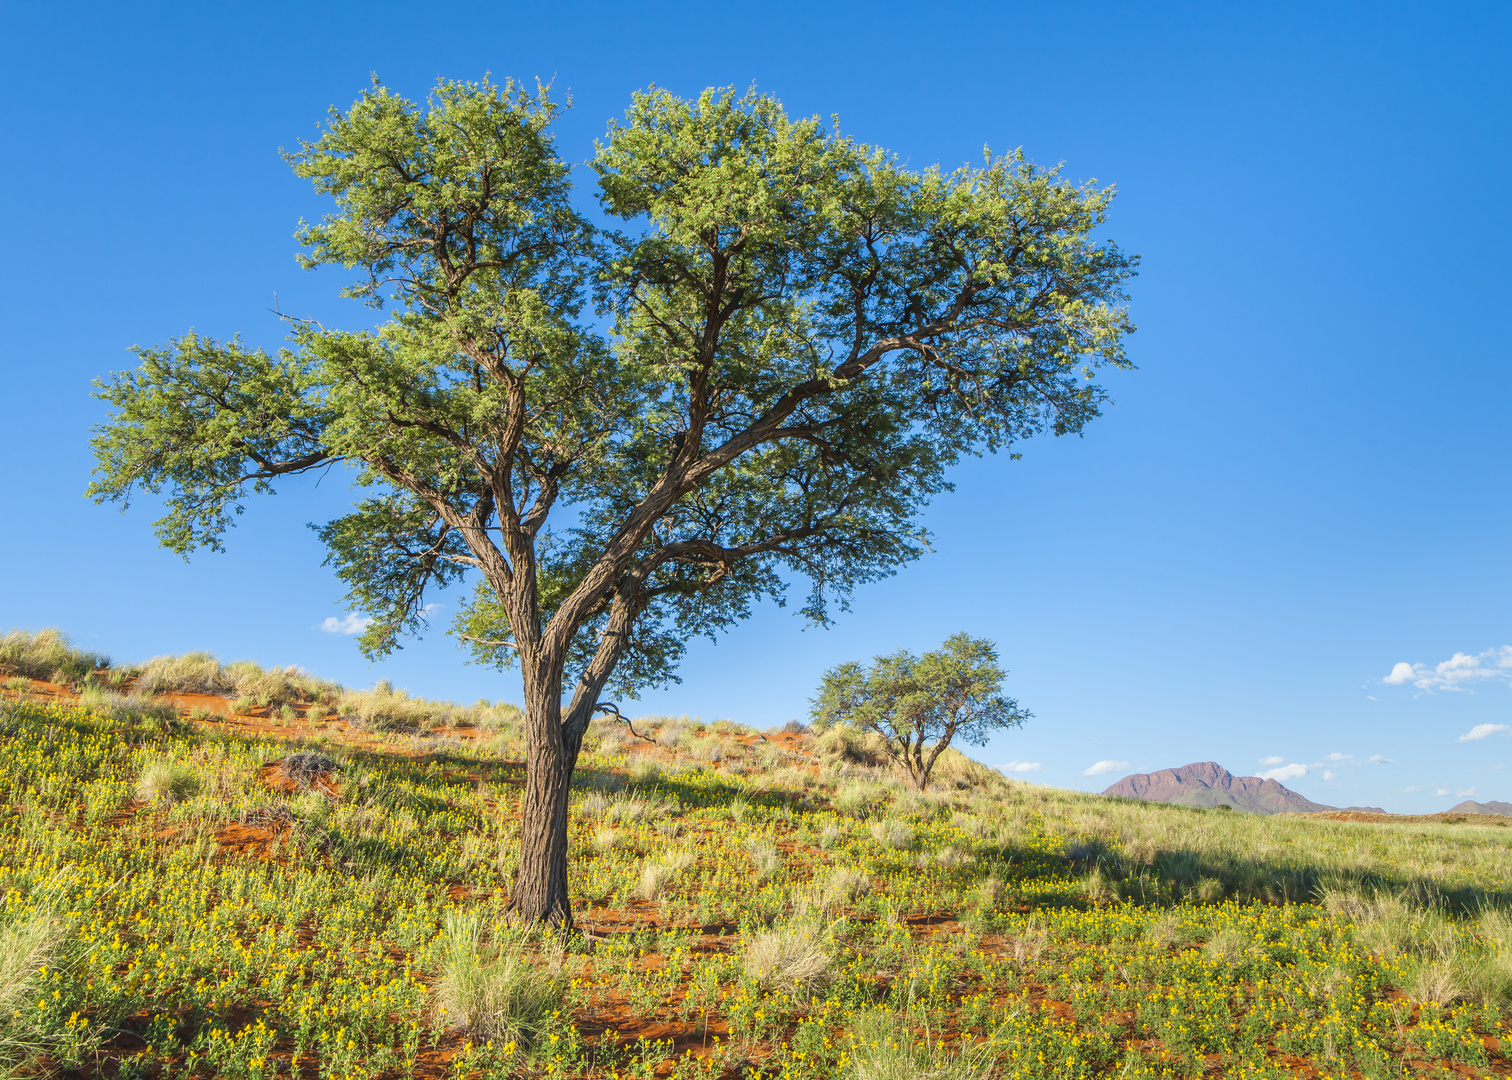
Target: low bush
{"x":128,"y":709}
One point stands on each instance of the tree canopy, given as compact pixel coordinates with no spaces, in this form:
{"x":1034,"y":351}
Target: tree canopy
{"x":629,"y":436}
{"x":919,"y":705}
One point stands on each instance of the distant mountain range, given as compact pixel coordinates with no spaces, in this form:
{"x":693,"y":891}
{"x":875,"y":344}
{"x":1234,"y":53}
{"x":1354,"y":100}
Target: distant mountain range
{"x":1208,"y":784}
{"x":1470,"y":806}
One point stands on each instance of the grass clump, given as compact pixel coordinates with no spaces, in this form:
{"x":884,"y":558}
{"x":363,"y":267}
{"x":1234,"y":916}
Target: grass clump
{"x":861,"y":799}
{"x":191,"y":673}
{"x":884,"y":1046}
{"x":788,"y":960}
{"x":384,"y":708}
{"x":47,"y":655}
{"x":499,"y":994}
{"x":28,"y":945}
{"x":166,"y":780}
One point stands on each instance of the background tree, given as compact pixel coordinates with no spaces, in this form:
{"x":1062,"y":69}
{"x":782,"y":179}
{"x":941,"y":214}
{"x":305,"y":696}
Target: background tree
{"x":919,"y":705}
{"x":802,"y":335}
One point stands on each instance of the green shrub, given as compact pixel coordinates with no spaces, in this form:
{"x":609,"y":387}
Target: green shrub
{"x":127,"y":709}
{"x":279,"y":686}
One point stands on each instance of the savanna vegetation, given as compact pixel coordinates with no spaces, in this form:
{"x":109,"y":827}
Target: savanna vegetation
{"x":315,"y":894}
{"x":793,"y":336}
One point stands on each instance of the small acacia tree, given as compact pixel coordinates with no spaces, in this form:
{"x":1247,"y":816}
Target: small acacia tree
{"x":799,"y":337}
{"x":920,"y":704}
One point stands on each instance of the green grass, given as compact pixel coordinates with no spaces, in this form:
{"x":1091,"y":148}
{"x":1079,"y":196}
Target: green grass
{"x":813,"y":921}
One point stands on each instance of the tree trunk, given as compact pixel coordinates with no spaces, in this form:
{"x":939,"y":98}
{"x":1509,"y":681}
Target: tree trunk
{"x":540,"y":890}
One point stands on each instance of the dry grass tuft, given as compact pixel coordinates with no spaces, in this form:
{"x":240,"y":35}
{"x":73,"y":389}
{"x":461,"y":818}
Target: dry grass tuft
{"x":502,"y":995}
{"x":169,"y":781}
{"x":385,"y":709}
{"x":46,"y":654}
{"x":790,"y":960}
{"x":884,"y":1046}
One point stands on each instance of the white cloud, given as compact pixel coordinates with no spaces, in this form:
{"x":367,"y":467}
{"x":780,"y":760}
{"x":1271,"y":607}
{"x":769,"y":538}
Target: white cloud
{"x":1377,"y":759}
{"x":1024,"y":766}
{"x":350,"y":623}
{"x":1442,"y":791}
{"x":430,"y":609}
{"x":1329,"y":774}
{"x":1480,"y":731}
{"x":1411,"y":788}
{"x":1104,"y":767}
{"x":1400,"y":674}
{"x":1285,"y":772}
{"x":1468,"y":793}
{"x":1453,"y":673}
{"x":1274,"y":759}
{"x":1338,"y":757}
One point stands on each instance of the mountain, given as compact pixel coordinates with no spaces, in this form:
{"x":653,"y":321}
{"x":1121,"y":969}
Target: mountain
{"x":1206,"y":783}
{"x":1470,"y":806}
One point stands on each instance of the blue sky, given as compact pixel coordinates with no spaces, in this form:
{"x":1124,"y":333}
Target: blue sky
{"x":1303,"y":485}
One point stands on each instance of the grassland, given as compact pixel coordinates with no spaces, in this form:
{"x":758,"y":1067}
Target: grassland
{"x":300,"y":890}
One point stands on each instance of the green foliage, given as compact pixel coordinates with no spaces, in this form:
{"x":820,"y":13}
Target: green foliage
{"x":803,"y":336}
{"x":207,"y":420}
{"x":918,"y":705}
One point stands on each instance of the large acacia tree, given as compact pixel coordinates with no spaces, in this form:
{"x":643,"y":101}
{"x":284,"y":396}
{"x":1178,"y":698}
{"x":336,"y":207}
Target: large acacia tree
{"x":795,"y":337}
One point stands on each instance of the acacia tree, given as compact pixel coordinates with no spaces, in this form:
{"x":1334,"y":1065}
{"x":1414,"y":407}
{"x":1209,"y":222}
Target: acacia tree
{"x":799,"y":336}
{"x":918,"y":705}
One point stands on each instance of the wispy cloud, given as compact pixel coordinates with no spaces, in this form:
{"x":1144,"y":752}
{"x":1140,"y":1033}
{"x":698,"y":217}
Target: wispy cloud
{"x":350,"y":623}
{"x":1455,"y":672}
{"x":1285,"y":772}
{"x":1442,"y":791}
{"x":1274,"y":759}
{"x":1336,"y":757}
{"x":1411,"y":789}
{"x":1024,"y":766}
{"x":1481,"y":731}
{"x":1104,"y":767}
{"x":1377,"y":759}
{"x":1329,"y":774}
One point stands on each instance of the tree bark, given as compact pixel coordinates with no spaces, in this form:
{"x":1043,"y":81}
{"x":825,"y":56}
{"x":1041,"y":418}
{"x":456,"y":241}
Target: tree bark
{"x":540,"y":889}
